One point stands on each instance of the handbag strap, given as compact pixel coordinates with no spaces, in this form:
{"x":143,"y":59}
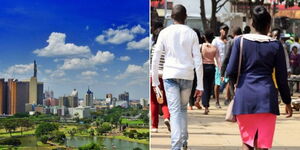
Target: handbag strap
{"x":240,"y":61}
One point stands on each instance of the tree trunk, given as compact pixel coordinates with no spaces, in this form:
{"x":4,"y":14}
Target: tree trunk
{"x":203,"y":15}
{"x":213,"y":19}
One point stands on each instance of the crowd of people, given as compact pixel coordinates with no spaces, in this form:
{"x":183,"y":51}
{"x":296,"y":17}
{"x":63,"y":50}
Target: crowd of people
{"x":188,"y":68}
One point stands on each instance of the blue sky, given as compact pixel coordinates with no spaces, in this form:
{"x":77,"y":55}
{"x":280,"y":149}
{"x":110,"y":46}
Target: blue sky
{"x":77,"y":43}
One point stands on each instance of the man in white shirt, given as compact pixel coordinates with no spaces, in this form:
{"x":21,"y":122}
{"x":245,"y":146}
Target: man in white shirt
{"x":219,"y":43}
{"x":182,"y":55}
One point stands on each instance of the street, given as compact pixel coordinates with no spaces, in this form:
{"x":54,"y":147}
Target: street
{"x":211,"y":132}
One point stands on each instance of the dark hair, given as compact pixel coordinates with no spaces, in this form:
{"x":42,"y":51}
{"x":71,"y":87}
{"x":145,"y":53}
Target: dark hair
{"x":237,"y":31}
{"x":155,"y":34}
{"x":224,"y":27}
{"x":209,"y":35}
{"x":179,"y":13}
{"x":200,"y":38}
{"x":261,"y":18}
{"x":277,"y":31}
{"x":247,"y":30}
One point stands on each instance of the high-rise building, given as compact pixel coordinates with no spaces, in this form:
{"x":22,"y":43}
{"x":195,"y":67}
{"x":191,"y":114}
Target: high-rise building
{"x":88,"y":101}
{"x":124,"y":97}
{"x":109,"y":98}
{"x":63,"y":101}
{"x":109,"y":95}
{"x":3,"y":97}
{"x":33,"y":87}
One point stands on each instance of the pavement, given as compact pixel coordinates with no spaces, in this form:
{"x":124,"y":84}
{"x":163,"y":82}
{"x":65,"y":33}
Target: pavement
{"x":211,"y":132}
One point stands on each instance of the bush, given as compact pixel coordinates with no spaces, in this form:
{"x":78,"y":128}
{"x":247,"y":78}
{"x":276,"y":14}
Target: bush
{"x":137,"y":148}
{"x":91,"y":146}
{"x":44,"y":139}
{"x":59,"y":137}
{"x":11,"y":141}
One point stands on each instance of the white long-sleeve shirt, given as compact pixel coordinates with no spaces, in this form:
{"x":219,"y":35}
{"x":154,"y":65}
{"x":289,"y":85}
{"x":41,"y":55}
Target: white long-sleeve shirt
{"x":182,"y":55}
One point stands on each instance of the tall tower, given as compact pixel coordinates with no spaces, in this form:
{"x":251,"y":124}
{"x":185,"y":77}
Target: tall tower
{"x":33,"y":86}
{"x":89,"y":98}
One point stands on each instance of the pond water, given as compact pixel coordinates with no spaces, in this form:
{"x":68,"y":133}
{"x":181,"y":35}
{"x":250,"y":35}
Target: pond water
{"x":77,"y":141}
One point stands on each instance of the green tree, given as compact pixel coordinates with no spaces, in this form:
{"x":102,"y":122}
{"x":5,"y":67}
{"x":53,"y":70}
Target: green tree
{"x":58,"y":137}
{"x":44,"y":139}
{"x":72,"y":132}
{"x":24,"y":123}
{"x":45,"y":128}
{"x":10,"y":141}
{"x":10,"y":125}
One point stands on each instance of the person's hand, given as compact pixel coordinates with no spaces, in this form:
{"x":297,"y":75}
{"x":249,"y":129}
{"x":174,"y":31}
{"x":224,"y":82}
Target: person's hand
{"x":198,"y":93}
{"x":222,"y":79}
{"x":288,"y":110}
{"x":289,"y":74}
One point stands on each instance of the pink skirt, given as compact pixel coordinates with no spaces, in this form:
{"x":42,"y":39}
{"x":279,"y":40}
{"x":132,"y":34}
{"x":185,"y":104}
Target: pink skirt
{"x":260,"y":125}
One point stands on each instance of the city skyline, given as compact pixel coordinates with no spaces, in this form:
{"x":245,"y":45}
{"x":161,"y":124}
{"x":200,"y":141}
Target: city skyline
{"x":77,"y":45}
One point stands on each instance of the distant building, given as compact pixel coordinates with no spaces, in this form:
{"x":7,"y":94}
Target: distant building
{"x":63,"y":101}
{"x":81,"y":112}
{"x":3,"y":97}
{"x":124,"y":97}
{"x":89,"y":98}
{"x":123,"y":104}
{"x":144,"y":102}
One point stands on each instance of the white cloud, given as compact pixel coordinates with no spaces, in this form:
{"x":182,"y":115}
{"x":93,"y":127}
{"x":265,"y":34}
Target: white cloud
{"x":124,"y":58}
{"x":57,"y":74}
{"x":143,"y":44}
{"x":81,"y":63}
{"x":89,"y":73}
{"x":104,"y":69}
{"x":58,"y":47}
{"x":119,"y":35}
{"x":134,"y":71}
{"x":20,"y":69}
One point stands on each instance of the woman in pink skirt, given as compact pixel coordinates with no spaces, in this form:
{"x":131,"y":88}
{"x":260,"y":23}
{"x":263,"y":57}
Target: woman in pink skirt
{"x":256,"y":99}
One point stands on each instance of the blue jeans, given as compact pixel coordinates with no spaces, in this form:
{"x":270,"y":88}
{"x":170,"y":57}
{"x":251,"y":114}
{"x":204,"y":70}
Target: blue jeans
{"x":178,"y":92}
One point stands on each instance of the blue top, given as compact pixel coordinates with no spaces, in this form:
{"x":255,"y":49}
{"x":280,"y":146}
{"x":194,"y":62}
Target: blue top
{"x":256,"y":92}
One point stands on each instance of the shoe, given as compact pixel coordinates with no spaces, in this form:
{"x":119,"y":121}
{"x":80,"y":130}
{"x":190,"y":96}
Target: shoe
{"x":167,"y":123}
{"x":154,"y":130}
{"x":185,"y":147}
{"x":197,"y":104}
{"x":190,"y":107}
{"x":206,"y":112}
{"x":218,"y":105}
{"x":226,"y":102}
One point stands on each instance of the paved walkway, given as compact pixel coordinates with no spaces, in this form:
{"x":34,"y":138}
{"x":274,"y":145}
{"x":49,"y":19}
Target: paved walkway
{"x":211,"y":132}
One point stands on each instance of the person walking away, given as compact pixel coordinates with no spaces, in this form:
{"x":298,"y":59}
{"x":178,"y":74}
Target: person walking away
{"x":209,"y":53}
{"x":153,"y":97}
{"x":219,"y":43}
{"x":182,"y":56}
{"x":256,"y":100}
{"x":237,"y":31}
{"x":195,"y":101}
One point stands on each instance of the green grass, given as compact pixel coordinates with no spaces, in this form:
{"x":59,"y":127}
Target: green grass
{"x":132,"y":122}
{"x":122,"y":137}
{"x":3,"y":133}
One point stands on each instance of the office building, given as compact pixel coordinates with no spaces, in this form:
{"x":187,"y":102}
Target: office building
{"x":89,"y":98}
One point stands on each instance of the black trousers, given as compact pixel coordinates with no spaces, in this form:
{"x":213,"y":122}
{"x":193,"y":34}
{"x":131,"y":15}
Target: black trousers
{"x":208,"y":82}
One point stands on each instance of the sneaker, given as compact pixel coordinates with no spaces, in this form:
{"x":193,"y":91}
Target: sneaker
{"x":154,"y":130}
{"x":218,"y":105}
{"x":167,"y":123}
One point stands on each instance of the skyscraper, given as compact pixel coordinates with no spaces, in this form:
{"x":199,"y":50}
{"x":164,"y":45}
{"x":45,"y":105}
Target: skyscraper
{"x":33,"y":87}
{"x":89,"y":98}
{"x":124,"y":97}
{"x":3,"y":97}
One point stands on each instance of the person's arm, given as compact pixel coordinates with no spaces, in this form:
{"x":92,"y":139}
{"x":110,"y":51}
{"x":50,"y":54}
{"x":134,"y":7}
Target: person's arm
{"x":232,"y":67}
{"x":226,"y":59}
{"x":281,"y":75}
{"x":287,"y":60}
{"x":159,"y":47}
{"x":197,"y":58}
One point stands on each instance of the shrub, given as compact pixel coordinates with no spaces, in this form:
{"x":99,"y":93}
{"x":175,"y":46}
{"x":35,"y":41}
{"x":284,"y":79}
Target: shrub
{"x":11,"y":141}
{"x":44,"y":139}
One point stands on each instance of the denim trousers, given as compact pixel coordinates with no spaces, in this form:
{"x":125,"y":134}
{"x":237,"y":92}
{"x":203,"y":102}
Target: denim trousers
{"x":178,"y":92}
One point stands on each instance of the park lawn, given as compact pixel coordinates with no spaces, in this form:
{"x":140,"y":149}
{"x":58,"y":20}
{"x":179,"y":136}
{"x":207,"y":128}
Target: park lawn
{"x":17,"y":133}
{"x":140,"y":130}
{"x":132,"y":122}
